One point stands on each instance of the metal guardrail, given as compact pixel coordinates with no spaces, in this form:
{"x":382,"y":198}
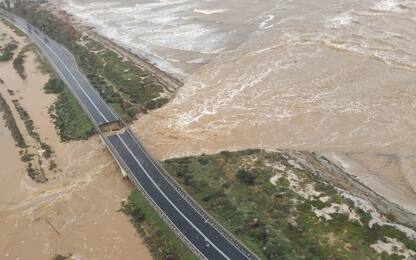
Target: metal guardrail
{"x":196,"y":206}
{"x":160,"y":212}
{"x":205,"y":215}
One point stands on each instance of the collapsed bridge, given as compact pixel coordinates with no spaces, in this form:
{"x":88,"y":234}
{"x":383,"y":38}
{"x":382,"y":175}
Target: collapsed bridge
{"x":205,"y":237}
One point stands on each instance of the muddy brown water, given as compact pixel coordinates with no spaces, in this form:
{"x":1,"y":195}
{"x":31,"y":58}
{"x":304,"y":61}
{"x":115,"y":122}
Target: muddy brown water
{"x":336,"y":78}
{"x":77,"y":210}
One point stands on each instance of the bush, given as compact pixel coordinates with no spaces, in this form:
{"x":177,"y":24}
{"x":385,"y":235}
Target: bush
{"x":245,"y":176}
{"x":54,"y":86}
{"x":203,"y":160}
{"x":18,"y":65}
{"x":7,"y":52}
{"x":69,"y":118}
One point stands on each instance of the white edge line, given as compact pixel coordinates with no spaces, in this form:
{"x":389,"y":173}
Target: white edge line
{"x":173,"y":204}
{"x":79,"y":85}
{"x":206,"y":219}
{"x":148,"y":196}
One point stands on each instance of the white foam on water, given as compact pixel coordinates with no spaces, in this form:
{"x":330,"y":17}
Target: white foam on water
{"x":147,"y":28}
{"x":341,"y":20}
{"x":265,"y":24}
{"x":222,"y":100}
{"x":208,"y":12}
{"x":388,"y":6}
{"x":196,"y":61}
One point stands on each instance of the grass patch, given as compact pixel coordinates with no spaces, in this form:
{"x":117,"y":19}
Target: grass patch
{"x":161,"y":241}
{"x":276,"y":221}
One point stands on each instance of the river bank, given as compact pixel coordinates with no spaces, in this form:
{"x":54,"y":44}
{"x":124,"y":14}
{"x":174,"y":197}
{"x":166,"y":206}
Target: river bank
{"x":67,"y":213}
{"x":173,"y":140}
{"x":221,"y":104}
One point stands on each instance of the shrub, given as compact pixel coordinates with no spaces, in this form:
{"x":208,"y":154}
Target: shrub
{"x":245,"y":176}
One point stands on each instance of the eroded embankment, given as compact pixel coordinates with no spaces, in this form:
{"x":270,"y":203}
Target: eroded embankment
{"x":280,"y":204}
{"x":208,"y":127}
{"x":65,"y":214}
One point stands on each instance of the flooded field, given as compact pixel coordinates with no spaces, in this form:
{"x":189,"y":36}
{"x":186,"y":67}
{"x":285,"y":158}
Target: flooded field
{"x":336,"y":78}
{"x":77,"y":210}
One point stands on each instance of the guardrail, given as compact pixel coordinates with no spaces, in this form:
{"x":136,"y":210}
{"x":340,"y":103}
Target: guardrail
{"x":140,"y":188}
{"x":205,"y":215}
{"x":195,"y":205}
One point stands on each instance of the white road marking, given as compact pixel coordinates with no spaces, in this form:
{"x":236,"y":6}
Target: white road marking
{"x":166,"y":215}
{"x":79,"y":85}
{"x":156,"y":185}
{"x":173,"y":204}
{"x":206,"y":220}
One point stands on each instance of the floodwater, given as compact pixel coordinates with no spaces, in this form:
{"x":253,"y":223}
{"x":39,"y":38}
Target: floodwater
{"x":77,"y":210}
{"x":336,"y":77}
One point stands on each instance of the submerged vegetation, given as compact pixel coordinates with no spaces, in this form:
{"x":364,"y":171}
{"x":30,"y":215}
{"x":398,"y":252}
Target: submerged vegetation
{"x":8,"y":51}
{"x":124,"y":86}
{"x":34,"y":172}
{"x":28,"y":122}
{"x":11,"y":123}
{"x":18,"y":65}
{"x":281,"y":211}
{"x":69,"y":119}
{"x":16,"y":30}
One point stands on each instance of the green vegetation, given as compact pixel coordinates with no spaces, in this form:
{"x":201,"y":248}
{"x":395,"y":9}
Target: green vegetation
{"x":69,"y":118}
{"x":19,"y":60}
{"x":161,"y":241}
{"x":26,"y":157}
{"x":124,"y":86}
{"x":47,"y":150}
{"x":54,"y":86}
{"x":18,"y":65}
{"x":37,"y":175}
{"x":52,"y":165}
{"x":279,"y":220}
{"x":11,"y":123}
{"x":8,"y":51}
{"x":24,"y":116}
{"x":62,"y":257}
{"x":16,"y":30}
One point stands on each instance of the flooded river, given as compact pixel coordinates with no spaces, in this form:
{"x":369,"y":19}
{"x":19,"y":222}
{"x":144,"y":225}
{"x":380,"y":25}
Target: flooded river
{"x":77,"y":211}
{"x":336,"y":77}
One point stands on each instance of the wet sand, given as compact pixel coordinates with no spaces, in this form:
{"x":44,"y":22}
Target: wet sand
{"x":77,"y":210}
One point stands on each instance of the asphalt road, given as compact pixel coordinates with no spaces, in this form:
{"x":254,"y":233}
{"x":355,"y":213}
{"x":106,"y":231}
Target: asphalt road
{"x":188,"y":220}
{"x":64,"y":63}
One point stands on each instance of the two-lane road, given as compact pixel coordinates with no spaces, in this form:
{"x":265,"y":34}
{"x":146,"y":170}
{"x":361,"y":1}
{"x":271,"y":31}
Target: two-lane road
{"x":190,"y":222}
{"x":65,"y":65}
{"x":210,"y":242}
